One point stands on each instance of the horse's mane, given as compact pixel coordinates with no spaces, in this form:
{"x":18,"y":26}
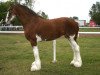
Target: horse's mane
{"x":29,"y":10}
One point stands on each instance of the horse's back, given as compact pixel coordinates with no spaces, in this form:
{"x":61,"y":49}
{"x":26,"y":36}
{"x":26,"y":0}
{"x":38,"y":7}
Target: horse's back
{"x":66,"y":25}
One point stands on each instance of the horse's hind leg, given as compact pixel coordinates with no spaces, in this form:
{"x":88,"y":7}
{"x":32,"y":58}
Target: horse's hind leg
{"x":77,"y":62}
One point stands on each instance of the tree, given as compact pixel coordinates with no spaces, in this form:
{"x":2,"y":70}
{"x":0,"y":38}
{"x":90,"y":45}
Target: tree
{"x":5,"y":5}
{"x":15,"y":1}
{"x":43,"y":14}
{"x":75,"y":17}
{"x":95,"y":12}
{"x":30,"y":3}
{"x":3,"y":9}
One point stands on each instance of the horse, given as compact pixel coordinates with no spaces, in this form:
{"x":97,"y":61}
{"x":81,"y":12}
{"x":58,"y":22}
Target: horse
{"x":37,"y":29}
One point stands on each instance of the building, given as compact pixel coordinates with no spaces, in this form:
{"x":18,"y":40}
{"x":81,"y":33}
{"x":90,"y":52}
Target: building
{"x":81,"y":22}
{"x":92,"y":23}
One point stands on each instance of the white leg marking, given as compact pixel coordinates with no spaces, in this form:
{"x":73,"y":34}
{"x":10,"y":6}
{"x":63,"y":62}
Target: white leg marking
{"x":77,"y":62}
{"x":7,"y":17}
{"x":54,"y":51}
{"x":36,"y":65}
{"x":38,"y":38}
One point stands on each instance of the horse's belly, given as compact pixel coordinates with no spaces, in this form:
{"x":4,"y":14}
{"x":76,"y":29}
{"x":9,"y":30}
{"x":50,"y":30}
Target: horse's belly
{"x":51,"y":32}
{"x":49,"y":37}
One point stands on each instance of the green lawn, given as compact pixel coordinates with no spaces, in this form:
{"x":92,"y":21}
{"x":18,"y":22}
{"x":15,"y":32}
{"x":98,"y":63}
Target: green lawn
{"x":89,"y":29}
{"x":16,"y":56}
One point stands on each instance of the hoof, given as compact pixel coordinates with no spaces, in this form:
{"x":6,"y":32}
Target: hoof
{"x":72,"y":62}
{"x":76,"y":63}
{"x":54,"y":61}
{"x":35,"y":66}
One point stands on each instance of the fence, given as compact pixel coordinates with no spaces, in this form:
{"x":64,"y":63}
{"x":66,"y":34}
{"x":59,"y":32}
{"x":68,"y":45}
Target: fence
{"x":19,"y":29}
{"x":11,"y":28}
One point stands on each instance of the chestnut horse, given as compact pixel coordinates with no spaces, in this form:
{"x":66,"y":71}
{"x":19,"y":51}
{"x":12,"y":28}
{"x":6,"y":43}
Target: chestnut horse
{"x":38,"y":29}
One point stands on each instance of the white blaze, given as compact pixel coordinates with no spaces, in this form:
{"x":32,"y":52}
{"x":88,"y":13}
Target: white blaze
{"x":12,"y":18}
{"x":8,"y":20}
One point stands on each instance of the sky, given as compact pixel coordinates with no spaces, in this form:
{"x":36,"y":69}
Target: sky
{"x":65,"y":8}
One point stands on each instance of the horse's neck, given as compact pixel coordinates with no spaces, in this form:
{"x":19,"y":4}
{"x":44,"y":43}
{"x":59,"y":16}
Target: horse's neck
{"x":24,"y":18}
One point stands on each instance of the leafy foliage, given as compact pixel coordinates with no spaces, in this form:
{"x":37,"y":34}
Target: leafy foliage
{"x":5,"y":5}
{"x":75,"y":17}
{"x":43,"y":14}
{"x":95,"y":12}
{"x":3,"y":9}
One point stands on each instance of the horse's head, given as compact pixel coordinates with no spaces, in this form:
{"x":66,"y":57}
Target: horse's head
{"x":22,"y":12}
{"x":10,"y":14}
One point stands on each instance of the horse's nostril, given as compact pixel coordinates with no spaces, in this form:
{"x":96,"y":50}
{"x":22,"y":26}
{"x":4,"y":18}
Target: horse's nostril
{"x":4,"y":23}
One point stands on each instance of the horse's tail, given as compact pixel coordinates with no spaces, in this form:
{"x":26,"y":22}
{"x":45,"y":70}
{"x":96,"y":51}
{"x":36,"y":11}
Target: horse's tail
{"x":76,"y":36}
{"x":77,"y":33}
{"x":71,"y":28}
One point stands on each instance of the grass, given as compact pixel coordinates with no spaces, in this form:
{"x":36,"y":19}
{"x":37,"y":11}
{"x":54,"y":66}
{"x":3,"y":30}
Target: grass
{"x":16,"y":56}
{"x":89,"y":29}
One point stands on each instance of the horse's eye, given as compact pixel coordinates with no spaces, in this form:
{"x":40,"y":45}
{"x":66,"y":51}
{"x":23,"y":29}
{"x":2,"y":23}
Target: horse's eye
{"x":9,"y":13}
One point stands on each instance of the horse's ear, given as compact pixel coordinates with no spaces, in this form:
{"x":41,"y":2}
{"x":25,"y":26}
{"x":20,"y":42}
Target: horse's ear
{"x":15,"y":3}
{"x":12,"y":4}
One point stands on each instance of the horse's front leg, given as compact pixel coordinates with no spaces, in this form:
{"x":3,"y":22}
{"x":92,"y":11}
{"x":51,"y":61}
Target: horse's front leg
{"x":36,"y":65}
